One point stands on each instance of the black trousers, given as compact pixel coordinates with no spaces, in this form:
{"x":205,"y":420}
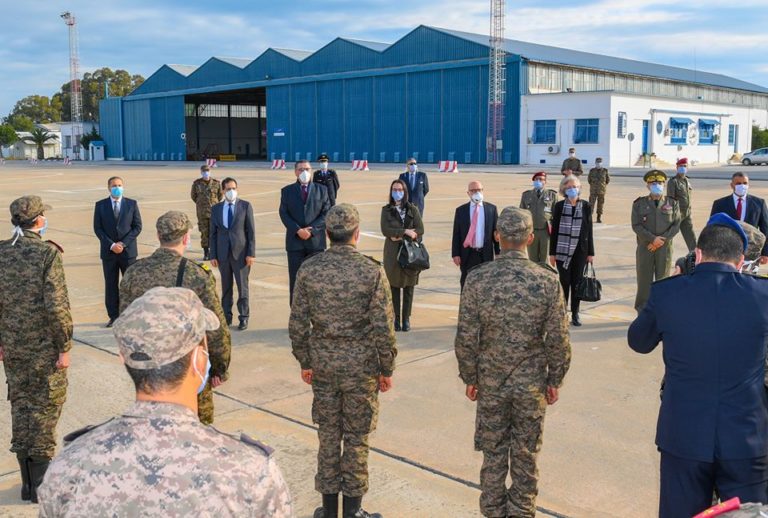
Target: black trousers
{"x":686,"y":485}
{"x":570,"y":278}
{"x":230,"y":271}
{"x":474,"y":258}
{"x":295,"y":258}
{"x":407,"y":301}
{"x":113,"y":267}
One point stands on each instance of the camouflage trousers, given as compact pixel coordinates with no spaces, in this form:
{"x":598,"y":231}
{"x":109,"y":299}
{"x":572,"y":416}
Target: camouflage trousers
{"x":205,"y":404}
{"x":598,"y":197}
{"x":508,"y":432}
{"x":36,"y":400}
{"x":204,"y":225}
{"x":346,"y":411}
{"x":538,"y":251}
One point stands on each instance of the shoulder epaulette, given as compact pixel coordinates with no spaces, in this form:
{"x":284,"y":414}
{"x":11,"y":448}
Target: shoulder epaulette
{"x":546,"y":266}
{"x":639,"y":198}
{"x":55,"y":245}
{"x":73,"y":436}
{"x":203,"y":266}
{"x":266,"y":450}
{"x":376,"y":261}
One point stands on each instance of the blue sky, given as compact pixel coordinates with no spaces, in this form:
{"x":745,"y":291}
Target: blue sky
{"x":141,"y":35}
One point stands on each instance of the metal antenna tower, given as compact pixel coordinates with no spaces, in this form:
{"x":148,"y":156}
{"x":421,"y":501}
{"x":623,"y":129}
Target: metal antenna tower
{"x":76,"y":96}
{"x":497,"y":84}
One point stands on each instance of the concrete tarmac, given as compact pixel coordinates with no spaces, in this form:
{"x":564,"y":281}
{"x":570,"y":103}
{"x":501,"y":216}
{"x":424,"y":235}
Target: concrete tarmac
{"x":598,"y":457}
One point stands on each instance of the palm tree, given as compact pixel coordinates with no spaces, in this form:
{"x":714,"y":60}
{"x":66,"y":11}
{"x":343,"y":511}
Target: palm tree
{"x":39,"y":137}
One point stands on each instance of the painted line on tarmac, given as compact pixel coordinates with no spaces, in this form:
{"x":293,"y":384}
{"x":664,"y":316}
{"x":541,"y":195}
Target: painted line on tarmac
{"x":380,"y":451}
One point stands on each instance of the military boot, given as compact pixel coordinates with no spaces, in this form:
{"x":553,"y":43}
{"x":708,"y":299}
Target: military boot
{"x":206,"y":257}
{"x":397,"y":323}
{"x":37,"y":468}
{"x":352,"y":508}
{"x":26,"y":491}
{"x":330,"y":507}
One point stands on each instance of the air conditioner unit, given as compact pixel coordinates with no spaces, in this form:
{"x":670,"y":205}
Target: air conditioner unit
{"x":553,"y":150}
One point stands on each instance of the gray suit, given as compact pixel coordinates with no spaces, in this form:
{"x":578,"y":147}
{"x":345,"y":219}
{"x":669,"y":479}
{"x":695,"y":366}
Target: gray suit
{"x":230,"y":245}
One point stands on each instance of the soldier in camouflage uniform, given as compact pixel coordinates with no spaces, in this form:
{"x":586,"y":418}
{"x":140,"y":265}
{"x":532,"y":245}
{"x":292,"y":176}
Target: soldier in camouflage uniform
{"x":167,"y":267}
{"x":342,"y":335}
{"x":679,"y":188}
{"x":206,"y":192}
{"x":157,"y":459}
{"x":571,"y":164}
{"x":539,"y":201}
{"x":598,"y":182}
{"x":35,"y":338}
{"x":655,"y":221}
{"x":513,"y":350}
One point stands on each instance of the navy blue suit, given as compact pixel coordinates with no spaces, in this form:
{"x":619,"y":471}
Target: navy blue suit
{"x":125,"y":229}
{"x":756,"y":215}
{"x":712,"y":429}
{"x":418,"y":189}
{"x":296,"y":214}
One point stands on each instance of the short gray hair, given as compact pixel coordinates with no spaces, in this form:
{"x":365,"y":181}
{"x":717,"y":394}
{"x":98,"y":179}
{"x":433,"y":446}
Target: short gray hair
{"x":566,"y":180}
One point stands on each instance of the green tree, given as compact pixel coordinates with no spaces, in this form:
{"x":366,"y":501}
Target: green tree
{"x":93,"y":88}
{"x":759,"y":137}
{"x":86,"y":140}
{"x":20,"y":122}
{"x":7,"y":137}
{"x":39,"y":137}
{"x":36,"y":107}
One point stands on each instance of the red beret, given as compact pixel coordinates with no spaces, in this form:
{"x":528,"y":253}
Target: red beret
{"x":540,"y":173}
{"x":682,"y":161}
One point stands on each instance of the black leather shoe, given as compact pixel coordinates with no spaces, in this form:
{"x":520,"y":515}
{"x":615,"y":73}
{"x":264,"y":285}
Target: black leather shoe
{"x":599,"y":219}
{"x":406,"y":325}
{"x":243,"y":324}
{"x":206,"y":257}
{"x":397,"y":324}
{"x":229,"y":320}
{"x":576,"y":320}
{"x":111,"y":321}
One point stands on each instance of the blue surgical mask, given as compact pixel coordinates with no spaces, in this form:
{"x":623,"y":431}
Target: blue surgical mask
{"x":207,"y":370}
{"x":206,"y":175}
{"x":572,"y":193}
{"x":741,"y":189}
{"x":413,"y":168}
{"x":657,"y":189}
{"x":117,"y":192}
{"x":397,"y":195}
{"x":44,"y":227}
{"x":538,"y":185}
{"x":681,"y":170}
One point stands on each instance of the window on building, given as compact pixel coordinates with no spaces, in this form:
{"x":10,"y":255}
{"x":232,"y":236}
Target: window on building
{"x":586,"y":131}
{"x":544,"y":131}
{"x":678,"y":130}
{"x":622,"y":125}
{"x":67,"y":141}
{"x":707,"y":131}
{"x":731,"y":134}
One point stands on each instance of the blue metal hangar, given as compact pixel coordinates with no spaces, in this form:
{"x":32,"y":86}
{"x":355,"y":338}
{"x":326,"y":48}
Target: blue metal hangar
{"x":425,"y":96}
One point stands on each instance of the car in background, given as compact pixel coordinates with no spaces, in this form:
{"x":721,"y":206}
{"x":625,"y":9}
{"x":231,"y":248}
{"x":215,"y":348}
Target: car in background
{"x":758,"y":156}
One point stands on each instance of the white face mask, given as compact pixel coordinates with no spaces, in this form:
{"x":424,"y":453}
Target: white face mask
{"x":231,"y":195}
{"x":305,"y":177}
{"x":741,"y":189}
{"x":477,"y":197}
{"x":571,"y":154}
{"x":324,"y":166}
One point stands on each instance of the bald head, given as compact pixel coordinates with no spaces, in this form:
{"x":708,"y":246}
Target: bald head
{"x":474,"y":189}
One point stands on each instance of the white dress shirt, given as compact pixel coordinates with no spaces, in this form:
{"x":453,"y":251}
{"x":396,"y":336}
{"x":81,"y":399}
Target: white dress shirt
{"x":480,"y":230}
{"x":743,"y":205}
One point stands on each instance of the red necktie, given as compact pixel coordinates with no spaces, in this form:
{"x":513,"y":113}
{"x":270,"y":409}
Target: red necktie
{"x":304,"y":193}
{"x":470,"y":240}
{"x":738,"y":209}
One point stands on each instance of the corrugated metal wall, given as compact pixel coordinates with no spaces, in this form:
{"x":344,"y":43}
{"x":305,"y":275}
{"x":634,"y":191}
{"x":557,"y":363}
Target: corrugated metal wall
{"x":215,"y":71}
{"x":164,"y":80}
{"x":111,"y":125}
{"x":153,"y":128}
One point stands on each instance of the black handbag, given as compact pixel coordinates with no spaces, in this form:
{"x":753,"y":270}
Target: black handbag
{"x":589,"y":288}
{"x":413,"y":255}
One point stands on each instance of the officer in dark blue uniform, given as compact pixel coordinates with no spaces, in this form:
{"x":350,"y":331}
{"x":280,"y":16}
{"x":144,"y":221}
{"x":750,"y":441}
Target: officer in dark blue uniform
{"x":327,"y":177}
{"x":712,"y":430}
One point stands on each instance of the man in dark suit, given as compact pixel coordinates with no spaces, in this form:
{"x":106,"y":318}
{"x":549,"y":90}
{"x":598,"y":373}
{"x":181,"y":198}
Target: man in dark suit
{"x":117,"y":224}
{"x":744,"y":207}
{"x":474,"y":226}
{"x":328,"y":178}
{"x":303,"y":206}
{"x":233,"y":249}
{"x":712,"y":430}
{"x":417,"y":183}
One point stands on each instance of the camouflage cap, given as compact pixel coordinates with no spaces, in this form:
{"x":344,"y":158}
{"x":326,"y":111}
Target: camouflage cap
{"x":162,"y":326}
{"x":514,"y":223}
{"x":755,"y":239}
{"x":27,"y":208}
{"x":342,"y":217}
{"x":172,"y":226}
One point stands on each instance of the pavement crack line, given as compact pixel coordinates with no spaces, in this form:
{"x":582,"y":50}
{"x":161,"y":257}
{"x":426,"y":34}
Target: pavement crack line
{"x":380,"y":451}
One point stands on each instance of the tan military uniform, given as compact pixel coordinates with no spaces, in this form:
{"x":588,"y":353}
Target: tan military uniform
{"x":574,"y":164}
{"x":205,"y":194}
{"x":679,"y":188}
{"x":598,"y":181}
{"x":512,"y":343}
{"x":540,"y":203}
{"x":162,"y":269}
{"x":341,"y":328}
{"x":650,"y":220}
{"x":157,"y":460}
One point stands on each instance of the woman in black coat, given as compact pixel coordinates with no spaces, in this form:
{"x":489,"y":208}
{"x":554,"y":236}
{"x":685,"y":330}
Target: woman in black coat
{"x":571,"y":245}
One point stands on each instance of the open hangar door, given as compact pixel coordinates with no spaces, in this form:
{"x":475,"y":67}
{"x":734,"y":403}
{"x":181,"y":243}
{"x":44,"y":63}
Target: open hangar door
{"x":227,"y":123}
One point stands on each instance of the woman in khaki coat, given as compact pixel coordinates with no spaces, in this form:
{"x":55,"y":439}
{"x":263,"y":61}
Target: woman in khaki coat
{"x":400,"y":220}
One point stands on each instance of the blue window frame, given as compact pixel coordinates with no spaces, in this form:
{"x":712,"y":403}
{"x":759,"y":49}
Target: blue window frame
{"x":707,"y":131}
{"x":678,"y":130}
{"x":731,"y":134}
{"x":586,"y":131}
{"x":544,"y":131}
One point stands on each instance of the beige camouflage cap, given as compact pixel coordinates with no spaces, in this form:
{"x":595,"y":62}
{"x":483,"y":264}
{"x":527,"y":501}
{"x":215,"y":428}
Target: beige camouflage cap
{"x":162,"y":326}
{"x":755,"y":241}
{"x":27,"y":208}
{"x":172,"y":225}
{"x":515,"y":224}
{"x":342,"y":217}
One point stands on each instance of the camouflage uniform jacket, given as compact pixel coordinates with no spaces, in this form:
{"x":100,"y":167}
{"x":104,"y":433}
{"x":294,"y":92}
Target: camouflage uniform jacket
{"x":341,"y":317}
{"x":540,"y":204}
{"x":35,"y":319}
{"x":206,"y":195}
{"x":679,"y":188}
{"x":598,"y":179}
{"x":158,"y":460}
{"x":512,"y":323}
{"x":161,"y":269}
{"x":574,"y":164}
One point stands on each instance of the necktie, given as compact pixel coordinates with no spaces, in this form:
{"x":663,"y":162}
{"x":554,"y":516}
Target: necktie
{"x":116,"y":210}
{"x":470,"y":240}
{"x":739,"y":209}
{"x":304,"y":193}
{"x":413,"y":181}
{"x":230,"y":214}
